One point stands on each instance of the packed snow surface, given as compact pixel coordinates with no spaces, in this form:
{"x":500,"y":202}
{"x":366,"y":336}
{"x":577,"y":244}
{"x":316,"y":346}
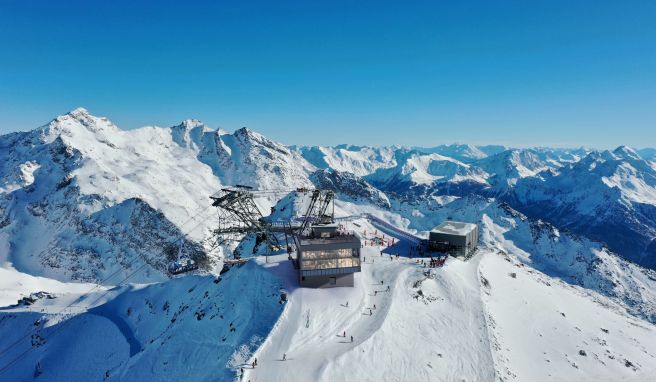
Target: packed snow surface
{"x":90,"y":216}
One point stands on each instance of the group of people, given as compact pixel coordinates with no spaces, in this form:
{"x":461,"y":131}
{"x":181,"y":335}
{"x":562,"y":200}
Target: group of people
{"x":434,"y":263}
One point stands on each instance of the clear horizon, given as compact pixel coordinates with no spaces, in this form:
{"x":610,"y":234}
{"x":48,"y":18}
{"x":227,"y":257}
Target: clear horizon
{"x":365,"y":73}
{"x":412,"y":146}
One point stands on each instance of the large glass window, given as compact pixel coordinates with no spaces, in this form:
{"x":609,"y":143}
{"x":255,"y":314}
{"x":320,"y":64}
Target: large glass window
{"x":329,"y":253}
{"x":333,"y":258}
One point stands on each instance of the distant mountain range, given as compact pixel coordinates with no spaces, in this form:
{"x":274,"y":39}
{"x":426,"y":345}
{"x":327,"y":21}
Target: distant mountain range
{"x":82,"y":200}
{"x":80,"y":171}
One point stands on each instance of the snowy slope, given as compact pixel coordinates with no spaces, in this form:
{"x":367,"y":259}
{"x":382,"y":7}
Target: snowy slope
{"x":420,"y":169}
{"x":438,"y":335}
{"x":608,"y":196}
{"x":94,"y":201}
{"x":82,"y":200}
{"x":358,"y":160}
{"x":190,"y":328}
{"x":507,"y":167}
{"x":544,"y":329}
{"x":91,"y":191}
{"x":459,"y":322}
{"x":462,"y":152}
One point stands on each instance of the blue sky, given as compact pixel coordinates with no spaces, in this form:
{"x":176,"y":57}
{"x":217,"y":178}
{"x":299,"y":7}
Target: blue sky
{"x":521,"y":73}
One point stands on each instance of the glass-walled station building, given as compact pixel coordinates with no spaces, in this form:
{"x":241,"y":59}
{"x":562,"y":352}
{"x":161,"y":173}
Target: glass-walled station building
{"x":454,"y":238}
{"x":327,"y":257}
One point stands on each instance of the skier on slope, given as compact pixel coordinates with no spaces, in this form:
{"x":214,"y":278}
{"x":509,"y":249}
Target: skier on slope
{"x":351,"y":338}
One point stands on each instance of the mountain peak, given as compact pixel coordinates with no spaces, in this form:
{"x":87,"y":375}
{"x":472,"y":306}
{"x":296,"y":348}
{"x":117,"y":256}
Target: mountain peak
{"x":244,"y":131}
{"x":79,"y":114}
{"x":626,"y":152}
{"x":76,"y":121}
{"x":249,"y":135}
{"x":82,"y":116}
{"x":79,"y":111}
{"x":190,"y":124}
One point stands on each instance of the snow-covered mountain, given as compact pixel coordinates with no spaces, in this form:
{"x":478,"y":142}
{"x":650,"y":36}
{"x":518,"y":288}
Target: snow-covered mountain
{"x":462,"y":152}
{"x":428,"y":170}
{"x":358,"y":160}
{"x":554,"y":291}
{"x":90,"y":191}
{"x":608,"y":196}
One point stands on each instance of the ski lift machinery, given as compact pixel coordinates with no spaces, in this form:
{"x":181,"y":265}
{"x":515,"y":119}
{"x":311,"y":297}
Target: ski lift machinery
{"x":239,"y":215}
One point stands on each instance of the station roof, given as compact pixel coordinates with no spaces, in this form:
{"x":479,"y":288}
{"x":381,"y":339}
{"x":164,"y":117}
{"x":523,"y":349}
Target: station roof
{"x":341,"y":239}
{"x":454,"y":228}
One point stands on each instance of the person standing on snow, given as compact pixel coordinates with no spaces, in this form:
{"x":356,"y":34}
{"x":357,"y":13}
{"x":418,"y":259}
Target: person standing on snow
{"x":351,"y":338}
{"x":284,"y":356}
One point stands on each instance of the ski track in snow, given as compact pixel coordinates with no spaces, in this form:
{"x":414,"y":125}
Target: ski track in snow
{"x":472,"y":321}
{"x":441,"y":336}
{"x":98,"y":199}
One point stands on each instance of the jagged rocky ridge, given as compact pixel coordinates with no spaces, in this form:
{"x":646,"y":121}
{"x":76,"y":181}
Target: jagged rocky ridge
{"x":81,"y":198}
{"x":100,"y":198}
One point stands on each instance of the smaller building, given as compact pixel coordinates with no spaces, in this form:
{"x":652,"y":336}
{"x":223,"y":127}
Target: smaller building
{"x":327,"y":257}
{"x":454,"y":238}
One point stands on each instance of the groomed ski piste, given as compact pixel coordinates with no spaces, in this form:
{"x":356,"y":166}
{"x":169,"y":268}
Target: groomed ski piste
{"x":83,"y":200}
{"x":483,"y":319}
{"x":488,"y":318}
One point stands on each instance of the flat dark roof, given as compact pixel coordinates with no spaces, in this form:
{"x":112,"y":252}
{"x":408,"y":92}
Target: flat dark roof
{"x":328,"y":240}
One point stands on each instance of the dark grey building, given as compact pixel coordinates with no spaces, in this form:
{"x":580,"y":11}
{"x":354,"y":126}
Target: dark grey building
{"x":454,"y":238}
{"x":327,"y":257}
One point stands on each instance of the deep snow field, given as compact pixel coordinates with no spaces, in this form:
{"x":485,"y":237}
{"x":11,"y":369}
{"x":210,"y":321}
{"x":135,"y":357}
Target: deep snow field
{"x":562,"y":287}
{"x":484,"y":319}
